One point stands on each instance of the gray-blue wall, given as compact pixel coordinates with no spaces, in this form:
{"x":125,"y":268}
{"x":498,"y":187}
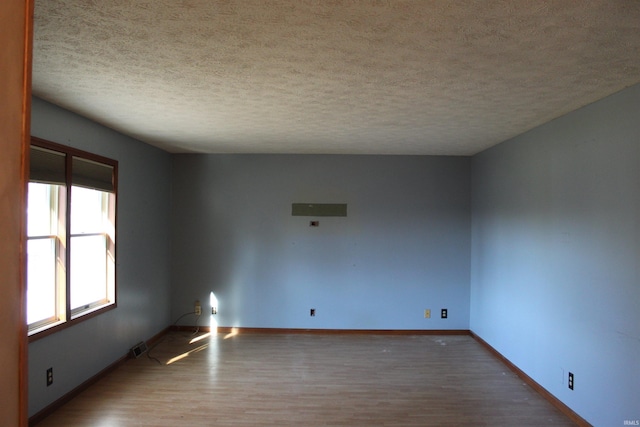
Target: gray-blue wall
{"x":555,"y":283}
{"x":539,"y":257}
{"x":143,"y":248}
{"x":404,"y":246}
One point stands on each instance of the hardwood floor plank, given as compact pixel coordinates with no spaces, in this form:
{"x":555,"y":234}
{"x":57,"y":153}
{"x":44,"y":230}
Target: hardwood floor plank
{"x":313,"y":380}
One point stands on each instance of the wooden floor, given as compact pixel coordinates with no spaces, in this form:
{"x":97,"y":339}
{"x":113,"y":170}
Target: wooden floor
{"x":310,"y":380}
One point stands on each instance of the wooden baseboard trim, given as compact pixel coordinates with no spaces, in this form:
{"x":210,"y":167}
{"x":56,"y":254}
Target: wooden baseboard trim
{"x":533,"y":384}
{"x":49,"y":409}
{"x":154,"y":339}
{"x":243,"y":330}
{"x":42,"y":414}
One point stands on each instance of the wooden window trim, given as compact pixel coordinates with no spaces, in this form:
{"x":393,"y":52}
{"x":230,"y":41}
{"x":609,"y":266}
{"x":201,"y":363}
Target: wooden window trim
{"x":73,"y":319}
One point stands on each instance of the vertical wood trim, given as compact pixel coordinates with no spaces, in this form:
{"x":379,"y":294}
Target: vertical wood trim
{"x":68,"y":164}
{"x":23,"y":387}
{"x":15,"y":112}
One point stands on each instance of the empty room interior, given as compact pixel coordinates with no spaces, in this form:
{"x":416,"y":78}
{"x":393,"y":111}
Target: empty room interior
{"x":422,"y":173}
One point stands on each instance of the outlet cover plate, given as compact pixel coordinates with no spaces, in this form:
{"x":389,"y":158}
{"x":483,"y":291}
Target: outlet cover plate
{"x":570,"y":382}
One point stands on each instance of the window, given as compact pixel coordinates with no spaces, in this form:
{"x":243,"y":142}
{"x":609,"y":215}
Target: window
{"x":71,"y":208}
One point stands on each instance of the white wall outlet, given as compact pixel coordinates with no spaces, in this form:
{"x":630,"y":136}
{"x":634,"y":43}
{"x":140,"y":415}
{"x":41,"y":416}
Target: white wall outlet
{"x":198,"y":308}
{"x":427,"y":313}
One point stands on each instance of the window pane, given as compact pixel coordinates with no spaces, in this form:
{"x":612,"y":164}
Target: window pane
{"x":41,"y":279}
{"x":88,"y":270}
{"x":87,"y":212}
{"x":42,"y":208}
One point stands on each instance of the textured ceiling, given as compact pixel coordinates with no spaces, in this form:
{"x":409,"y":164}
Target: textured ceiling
{"x":292,"y":76}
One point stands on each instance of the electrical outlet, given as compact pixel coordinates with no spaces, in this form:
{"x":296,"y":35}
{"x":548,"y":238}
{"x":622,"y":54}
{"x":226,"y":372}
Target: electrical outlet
{"x":312,"y":312}
{"x":427,"y":314}
{"x":570,"y":382}
{"x":49,"y":376}
{"x":214,"y":310}
{"x":198,"y":309}
{"x":443,"y":313}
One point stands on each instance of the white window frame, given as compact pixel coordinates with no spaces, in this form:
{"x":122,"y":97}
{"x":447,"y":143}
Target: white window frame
{"x":56,"y":203}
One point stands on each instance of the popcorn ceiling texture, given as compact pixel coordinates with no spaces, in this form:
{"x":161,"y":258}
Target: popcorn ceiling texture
{"x":356,"y":77}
